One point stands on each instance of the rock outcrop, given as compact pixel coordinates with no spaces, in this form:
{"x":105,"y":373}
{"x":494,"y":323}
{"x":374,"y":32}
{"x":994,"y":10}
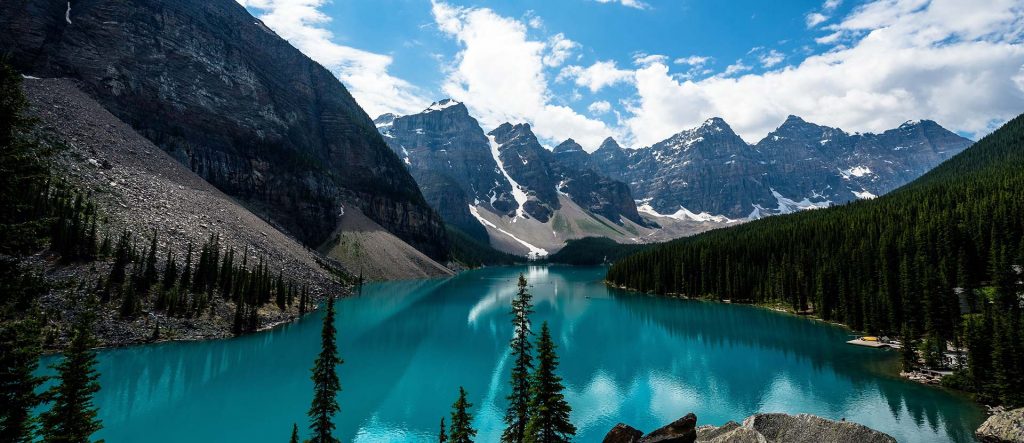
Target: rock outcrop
{"x":1003,"y":427}
{"x":758,"y":428}
{"x":236,"y":103}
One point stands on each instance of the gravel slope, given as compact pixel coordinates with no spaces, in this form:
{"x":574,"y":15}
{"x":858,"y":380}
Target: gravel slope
{"x":141,"y":188}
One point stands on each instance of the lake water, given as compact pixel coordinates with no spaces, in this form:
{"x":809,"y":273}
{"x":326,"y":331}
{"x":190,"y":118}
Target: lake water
{"x":625,"y":357}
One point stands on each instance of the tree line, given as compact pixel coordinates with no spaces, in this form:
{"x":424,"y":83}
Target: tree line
{"x":937,"y":262}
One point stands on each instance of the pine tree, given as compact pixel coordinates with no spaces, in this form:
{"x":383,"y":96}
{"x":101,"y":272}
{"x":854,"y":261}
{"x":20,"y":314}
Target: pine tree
{"x":186,"y":272}
{"x":19,"y":356}
{"x":150,"y":274}
{"x":302,"y":300}
{"x":73,"y":416}
{"x":549,"y":418}
{"x":325,"y":382}
{"x":295,"y":434}
{"x":170,"y":270}
{"x":908,"y":352}
{"x":441,"y":436}
{"x":461,"y":430}
{"x":518,"y":412}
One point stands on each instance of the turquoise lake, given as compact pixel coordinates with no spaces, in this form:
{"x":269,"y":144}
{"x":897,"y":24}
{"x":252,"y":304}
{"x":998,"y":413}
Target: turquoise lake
{"x":625,"y":357}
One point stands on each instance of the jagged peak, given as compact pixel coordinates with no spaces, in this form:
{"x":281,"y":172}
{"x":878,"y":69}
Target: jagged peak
{"x":385,"y":119}
{"x":441,"y":105}
{"x":569,"y":145}
{"x":609,"y":143}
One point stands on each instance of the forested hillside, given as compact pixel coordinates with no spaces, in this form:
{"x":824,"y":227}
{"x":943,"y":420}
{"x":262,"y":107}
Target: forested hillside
{"x":939,"y":258}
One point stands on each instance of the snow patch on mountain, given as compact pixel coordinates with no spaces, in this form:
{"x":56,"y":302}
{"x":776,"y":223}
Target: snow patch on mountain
{"x":856,"y":171}
{"x":645,"y":207}
{"x":535,"y":252}
{"x":441,"y":105}
{"x":789,"y":206}
{"x":517,"y":191}
{"x":864,"y":194}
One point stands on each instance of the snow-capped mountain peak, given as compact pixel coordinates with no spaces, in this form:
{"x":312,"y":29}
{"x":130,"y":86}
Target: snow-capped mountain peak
{"x":441,"y":105}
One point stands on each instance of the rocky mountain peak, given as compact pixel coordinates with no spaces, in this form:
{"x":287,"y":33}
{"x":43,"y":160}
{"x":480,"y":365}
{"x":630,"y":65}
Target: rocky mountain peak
{"x":447,"y":105}
{"x":506,"y":131}
{"x":384,"y":120}
{"x":569,"y":145}
{"x":609,"y":143}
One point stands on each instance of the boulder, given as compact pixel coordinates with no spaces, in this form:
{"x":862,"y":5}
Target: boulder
{"x":1003,"y":427}
{"x":622,"y":433}
{"x":683,"y":430}
{"x":812,"y":429}
{"x":737,"y":435}
{"x":709,"y":432}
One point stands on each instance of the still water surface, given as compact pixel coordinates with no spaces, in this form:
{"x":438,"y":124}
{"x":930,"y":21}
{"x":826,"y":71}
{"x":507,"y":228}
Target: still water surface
{"x":625,"y":357}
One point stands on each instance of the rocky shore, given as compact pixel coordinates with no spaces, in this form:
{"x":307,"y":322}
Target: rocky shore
{"x":1003,"y":427}
{"x":758,"y":428}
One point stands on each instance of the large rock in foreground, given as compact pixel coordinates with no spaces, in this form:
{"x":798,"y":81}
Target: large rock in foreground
{"x":811,"y":428}
{"x":1003,"y":427}
{"x":758,"y":428}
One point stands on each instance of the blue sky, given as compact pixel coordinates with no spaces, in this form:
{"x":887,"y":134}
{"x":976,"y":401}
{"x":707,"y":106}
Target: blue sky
{"x":641,"y":71}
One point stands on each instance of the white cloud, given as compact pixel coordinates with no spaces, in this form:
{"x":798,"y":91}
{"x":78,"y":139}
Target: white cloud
{"x":735,"y":68}
{"x":815,"y":19}
{"x":831,"y":5}
{"x":599,"y":107}
{"x":955,"y":62}
{"x":596,"y":76}
{"x":693,"y":60}
{"x":629,"y":3}
{"x":499,"y":74}
{"x":771,"y":58}
{"x":364,"y":73}
{"x":559,"y":48}
{"x":644,"y":59}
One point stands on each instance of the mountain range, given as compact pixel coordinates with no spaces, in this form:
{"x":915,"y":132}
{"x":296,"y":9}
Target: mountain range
{"x":504,"y":187}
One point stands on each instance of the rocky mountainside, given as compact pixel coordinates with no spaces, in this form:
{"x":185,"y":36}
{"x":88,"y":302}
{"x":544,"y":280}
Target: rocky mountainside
{"x":450,"y":157}
{"x":229,"y":98}
{"x":506,"y":176}
{"x":709,"y":171}
{"x":141,"y":189}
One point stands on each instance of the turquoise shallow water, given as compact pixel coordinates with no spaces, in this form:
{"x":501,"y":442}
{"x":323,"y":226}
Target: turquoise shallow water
{"x":625,"y":357}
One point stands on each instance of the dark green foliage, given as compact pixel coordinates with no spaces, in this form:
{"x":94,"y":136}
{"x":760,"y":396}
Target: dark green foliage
{"x":518,"y":412}
{"x":325,"y":382}
{"x":883,"y":264}
{"x":441,"y":436}
{"x":473,"y":253}
{"x":295,"y":434}
{"x":591,"y":251}
{"x":19,"y":356}
{"x":24,"y":172}
{"x":461,"y":430}
{"x":72,"y":417}
{"x":549,"y":412}
{"x":908,"y":350}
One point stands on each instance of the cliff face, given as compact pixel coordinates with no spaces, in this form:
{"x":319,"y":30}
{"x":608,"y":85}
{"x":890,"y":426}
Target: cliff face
{"x":233,"y":101}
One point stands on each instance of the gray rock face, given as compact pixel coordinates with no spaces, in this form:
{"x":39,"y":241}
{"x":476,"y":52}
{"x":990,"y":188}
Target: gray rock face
{"x":758,"y":428}
{"x":800,"y":165}
{"x":1003,"y":427}
{"x":809,"y":428}
{"x":454,"y":163}
{"x":229,"y":98}
{"x":450,"y":157}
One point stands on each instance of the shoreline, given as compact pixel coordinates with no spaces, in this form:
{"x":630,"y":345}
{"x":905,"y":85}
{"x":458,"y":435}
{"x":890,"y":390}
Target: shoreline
{"x":913,"y":376}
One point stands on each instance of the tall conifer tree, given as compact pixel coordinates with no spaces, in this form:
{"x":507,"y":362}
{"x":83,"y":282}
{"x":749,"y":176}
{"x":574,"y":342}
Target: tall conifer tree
{"x":325,"y":382}
{"x":549,"y":417}
{"x":518,"y":412}
{"x":73,"y":417}
{"x":461,"y":430}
